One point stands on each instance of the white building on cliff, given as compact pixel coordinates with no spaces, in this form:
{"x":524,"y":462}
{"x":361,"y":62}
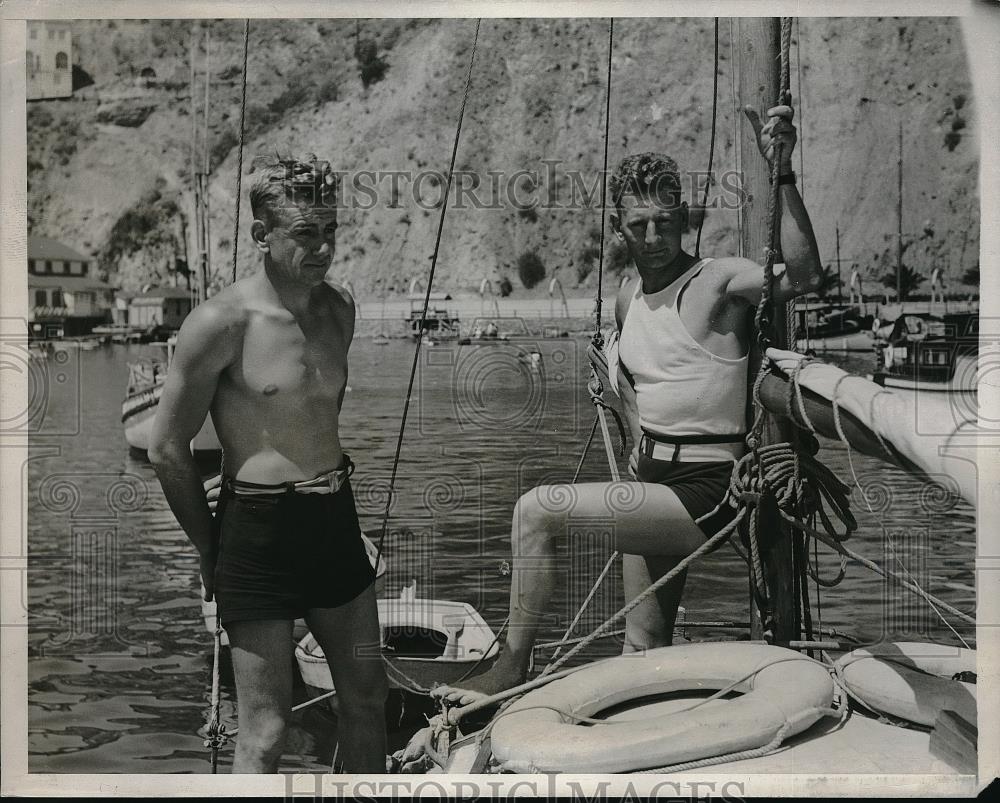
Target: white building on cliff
{"x":49,"y":59}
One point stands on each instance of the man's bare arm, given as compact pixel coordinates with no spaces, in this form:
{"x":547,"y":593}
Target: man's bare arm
{"x":204,"y":347}
{"x":346,"y":311}
{"x":803,"y":270}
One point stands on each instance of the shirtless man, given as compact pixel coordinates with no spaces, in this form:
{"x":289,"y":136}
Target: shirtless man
{"x":685,"y":332}
{"x":268,"y":357}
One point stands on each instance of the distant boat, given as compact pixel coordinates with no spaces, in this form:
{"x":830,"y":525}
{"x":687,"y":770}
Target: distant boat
{"x":928,"y":352}
{"x":439,"y":323}
{"x":494,"y":331}
{"x":146,"y":379}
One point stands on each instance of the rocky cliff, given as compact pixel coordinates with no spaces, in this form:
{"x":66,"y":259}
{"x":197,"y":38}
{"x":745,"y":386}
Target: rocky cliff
{"x":110,"y":171}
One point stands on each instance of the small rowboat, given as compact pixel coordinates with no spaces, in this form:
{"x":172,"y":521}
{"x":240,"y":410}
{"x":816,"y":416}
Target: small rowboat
{"x":425,"y":642}
{"x":300,"y":629}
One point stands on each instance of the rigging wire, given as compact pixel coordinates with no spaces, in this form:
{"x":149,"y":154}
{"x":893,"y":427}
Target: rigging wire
{"x":733,"y":62}
{"x":239,"y":151}
{"x":711,"y":146}
{"x":604,"y":184}
{"x":427,"y":296}
{"x":802,"y":193}
{"x":217,"y":734}
{"x":597,"y":342}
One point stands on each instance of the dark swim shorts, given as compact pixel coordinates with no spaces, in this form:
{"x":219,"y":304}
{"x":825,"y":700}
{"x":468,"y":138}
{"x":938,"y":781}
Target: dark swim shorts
{"x":282,"y":554}
{"x":699,"y":486}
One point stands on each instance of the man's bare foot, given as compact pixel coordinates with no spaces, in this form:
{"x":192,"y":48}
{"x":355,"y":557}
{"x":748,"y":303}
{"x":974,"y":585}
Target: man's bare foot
{"x":493,"y":681}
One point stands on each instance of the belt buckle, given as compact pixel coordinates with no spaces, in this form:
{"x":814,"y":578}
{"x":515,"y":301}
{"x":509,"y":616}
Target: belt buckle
{"x":336,"y":480}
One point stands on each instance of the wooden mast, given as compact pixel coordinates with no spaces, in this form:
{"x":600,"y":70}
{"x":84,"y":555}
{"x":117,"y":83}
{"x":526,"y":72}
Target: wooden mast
{"x":759,"y":55}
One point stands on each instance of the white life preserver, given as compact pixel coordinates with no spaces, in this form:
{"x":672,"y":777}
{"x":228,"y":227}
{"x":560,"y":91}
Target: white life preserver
{"x":783,"y":691}
{"x":911,"y":680}
{"x":887,"y":356}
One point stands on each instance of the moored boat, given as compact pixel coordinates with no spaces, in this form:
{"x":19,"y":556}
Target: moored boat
{"x":926,"y":352}
{"x":424,"y":641}
{"x":840,"y":328}
{"x":439,"y":323}
{"x":496,"y":331}
{"x":142,"y":397}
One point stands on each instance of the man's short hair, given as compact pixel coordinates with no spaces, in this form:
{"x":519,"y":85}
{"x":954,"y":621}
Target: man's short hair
{"x":645,"y":174}
{"x":291,"y":179}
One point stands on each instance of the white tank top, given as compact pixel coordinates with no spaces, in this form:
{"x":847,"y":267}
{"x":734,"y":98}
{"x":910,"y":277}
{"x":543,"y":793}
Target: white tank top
{"x":681,"y":388}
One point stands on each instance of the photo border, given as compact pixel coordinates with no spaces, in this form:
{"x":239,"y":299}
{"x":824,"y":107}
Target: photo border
{"x":981,"y":30}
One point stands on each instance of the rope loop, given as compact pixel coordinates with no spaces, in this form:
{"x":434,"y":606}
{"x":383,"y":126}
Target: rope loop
{"x":218,"y":737}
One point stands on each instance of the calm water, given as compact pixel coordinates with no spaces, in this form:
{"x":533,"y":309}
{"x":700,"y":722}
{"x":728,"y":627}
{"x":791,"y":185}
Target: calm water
{"x":120,"y":664}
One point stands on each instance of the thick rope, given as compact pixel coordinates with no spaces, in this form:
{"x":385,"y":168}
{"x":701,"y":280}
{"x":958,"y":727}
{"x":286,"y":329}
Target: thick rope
{"x":583,"y":454}
{"x":217,"y":736}
{"x":711,"y":145}
{"x":427,"y":295}
{"x":583,"y":607}
{"x":763,"y":317}
{"x":239,"y":151}
{"x":472,"y":669}
{"x":666,"y":578}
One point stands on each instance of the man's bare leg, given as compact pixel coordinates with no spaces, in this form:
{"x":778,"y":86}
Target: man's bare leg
{"x":651,"y":623}
{"x":350,"y":638}
{"x":648,"y":520}
{"x":262,"y":662}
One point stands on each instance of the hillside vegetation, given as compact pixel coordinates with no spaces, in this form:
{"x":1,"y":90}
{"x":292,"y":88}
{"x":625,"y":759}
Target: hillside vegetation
{"x":110,"y":171}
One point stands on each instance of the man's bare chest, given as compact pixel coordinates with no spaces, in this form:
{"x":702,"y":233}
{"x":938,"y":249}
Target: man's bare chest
{"x":283,"y":364}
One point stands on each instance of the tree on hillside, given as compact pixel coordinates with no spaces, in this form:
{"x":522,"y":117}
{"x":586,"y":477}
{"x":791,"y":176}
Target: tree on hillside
{"x":909,"y":280}
{"x":530,"y":268}
{"x":616,"y":256}
{"x":971,"y":276}
{"x":370,"y":64}
{"x":829,"y":283}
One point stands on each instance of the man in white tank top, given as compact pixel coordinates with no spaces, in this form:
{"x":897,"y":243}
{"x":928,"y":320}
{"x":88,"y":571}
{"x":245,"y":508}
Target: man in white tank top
{"x":685,"y":330}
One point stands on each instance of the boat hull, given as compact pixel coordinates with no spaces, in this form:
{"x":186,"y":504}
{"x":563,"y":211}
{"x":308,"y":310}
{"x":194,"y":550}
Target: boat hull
{"x":424,"y":642}
{"x":963,"y":379}
{"x":138,"y":413}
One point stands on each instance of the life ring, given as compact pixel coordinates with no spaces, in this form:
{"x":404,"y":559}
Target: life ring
{"x":783,"y":692}
{"x":911,"y":680}
{"x":887,"y":356}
